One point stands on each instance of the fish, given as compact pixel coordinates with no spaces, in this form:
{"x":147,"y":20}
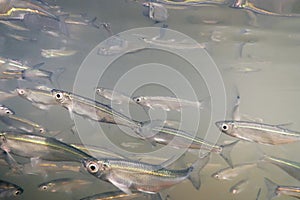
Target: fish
{"x":37,"y":166}
{"x":64,"y":185}
{"x":181,"y":139}
{"x":188,"y":3}
{"x":155,"y":11}
{"x":230,"y":173}
{"x":5,"y":95}
{"x":258,"y":132}
{"x":92,"y":109}
{"x":245,"y":4}
{"x":40,"y":98}
{"x":239,"y":186}
{"x":172,"y":43}
{"x":166,"y":103}
{"x":38,"y":146}
{"x":4,"y":110}
{"x":120,"y":195}
{"x":22,"y":124}
{"x":17,"y":10}
{"x":56,"y":53}
{"x":129,"y":175}
{"x":113,"y":96}
{"x":290,"y":167}
{"x":8,"y":189}
{"x":275,"y":190}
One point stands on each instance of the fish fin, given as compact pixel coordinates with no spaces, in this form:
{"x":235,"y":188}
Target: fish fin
{"x":12,"y":163}
{"x":258,"y":194}
{"x":284,"y":125}
{"x":226,"y":151}
{"x":92,"y":23}
{"x":156,"y":196}
{"x":271,"y":187}
{"x":34,"y":161}
{"x":38,"y":66}
{"x":122,"y":187}
{"x":236,"y":116}
{"x":55,"y":75}
{"x":194,"y":176}
{"x":62,"y":25}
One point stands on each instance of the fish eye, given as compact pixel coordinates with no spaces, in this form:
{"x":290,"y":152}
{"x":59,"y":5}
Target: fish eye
{"x":42,"y":130}
{"x":139,"y":99}
{"x":3,"y":139}
{"x":21,"y":91}
{"x":8,"y":112}
{"x":216,"y":175}
{"x":59,"y":96}
{"x":93,"y":167}
{"x":44,"y":187}
{"x":17,"y":192}
{"x":225,"y":127}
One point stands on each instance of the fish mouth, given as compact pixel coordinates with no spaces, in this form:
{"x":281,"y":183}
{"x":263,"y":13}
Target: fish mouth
{"x":219,"y":124}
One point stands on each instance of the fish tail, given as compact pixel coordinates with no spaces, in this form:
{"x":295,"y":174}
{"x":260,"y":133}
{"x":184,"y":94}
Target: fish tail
{"x":271,"y":188}
{"x":195,"y":169}
{"x":145,"y":128}
{"x":12,"y":163}
{"x":62,"y":25}
{"x":204,"y":102}
{"x":226,"y":151}
{"x":93,"y":23}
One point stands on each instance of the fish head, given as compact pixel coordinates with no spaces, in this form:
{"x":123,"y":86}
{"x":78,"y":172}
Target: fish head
{"x":46,"y":186}
{"x":40,"y":130}
{"x":17,"y":192}
{"x":216,"y":175}
{"x":100,"y":90}
{"x":22,"y":92}
{"x":60,"y":96}
{"x":96,"y":167}
{"x":2,"y":138}
{"x":226,"y":127}
{"x":139,"y":99}
{"x":5,"y":111}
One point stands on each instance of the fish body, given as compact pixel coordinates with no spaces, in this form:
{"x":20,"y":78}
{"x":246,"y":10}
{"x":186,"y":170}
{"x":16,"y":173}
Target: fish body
{"x":120,"y":195}
{"x":46,"y":148}
{"x":230,"y":173}
{"x":92,"y":109}
{"x":40,"y":98}
{"x":113,"y":96}
{"x":55,"y":53}
{"x":290,"y":167}
{"x":17,"y":10}
{"x":275,"y":190}
{"x":187,"y":3}
{"x":22,"y":124}
{"x":258,"y":132}
{"x":9,"y":190}
{"x":7,"y":95}
{"x":166,"y":103}
{"x":64,"y":185}
{"x":14,"y":26}
{"x":131,"y":175}
{"x":181,"y":139}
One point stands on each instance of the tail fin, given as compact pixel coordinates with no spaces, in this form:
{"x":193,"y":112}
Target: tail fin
{"x":271,"y":187}
{"x":194,"y":176}
{"x":226,"y":151}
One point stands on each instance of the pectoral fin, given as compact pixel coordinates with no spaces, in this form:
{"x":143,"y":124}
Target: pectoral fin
{"x":121,"y":186}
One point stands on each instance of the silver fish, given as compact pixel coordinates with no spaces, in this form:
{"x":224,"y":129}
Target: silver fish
{"x":230,"y":173}
{"x":23,"y":124}
{"x":120,"y":195}
{"x":5,"y":111}
{"x":275,"y":190}
{"x":17,"y":10}
{"x":14,"y":26}
{"x":131,"y":175}
{"x":9,"y":190}
{"x":166,"y":103}
{"x":239,"y":186}
{"x":92,"y":109}
{"x":290,"y":167}
{"x":155,"y":11}
{"x":55,"y":53}
{"x":113,"y":96}
{"x":258,"y":132}
{"x":47,"y":148}
{"x":39,"y":98}
{"x":64,"y":185}
{"x":181,"y":139}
